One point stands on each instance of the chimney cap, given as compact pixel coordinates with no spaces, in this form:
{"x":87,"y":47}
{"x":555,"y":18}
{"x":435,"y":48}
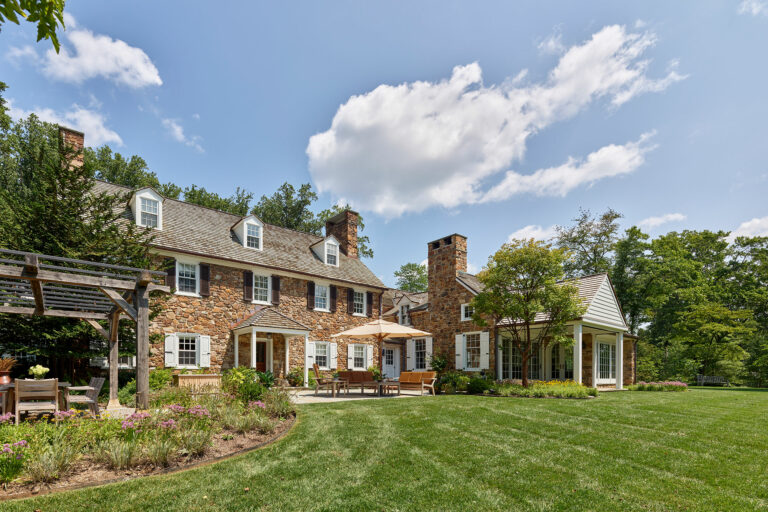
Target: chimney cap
{"x":448,"y":236}
{"x":63,"y":128}
{"x":340,"y":216}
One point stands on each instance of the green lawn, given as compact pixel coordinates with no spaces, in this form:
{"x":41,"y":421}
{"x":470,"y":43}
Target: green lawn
{"x":700,"y":450}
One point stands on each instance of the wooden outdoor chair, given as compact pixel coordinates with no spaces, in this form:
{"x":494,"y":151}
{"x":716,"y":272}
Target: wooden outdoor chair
{"x":36,"y":396}
{"x":322,"y":382}
{"x":90,"y":398}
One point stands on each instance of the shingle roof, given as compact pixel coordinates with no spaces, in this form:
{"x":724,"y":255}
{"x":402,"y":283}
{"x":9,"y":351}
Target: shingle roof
{"x":395,"y":295}
{"x":203,"y":231}
{"x":265,"y":316}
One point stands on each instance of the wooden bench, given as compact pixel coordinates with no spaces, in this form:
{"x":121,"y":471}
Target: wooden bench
{"x":363,"y":379}
{"x":711,"y":380}
{"x":418,"y":380}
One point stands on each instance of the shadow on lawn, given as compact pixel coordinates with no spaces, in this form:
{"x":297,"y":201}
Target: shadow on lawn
{"x":716,"y":388}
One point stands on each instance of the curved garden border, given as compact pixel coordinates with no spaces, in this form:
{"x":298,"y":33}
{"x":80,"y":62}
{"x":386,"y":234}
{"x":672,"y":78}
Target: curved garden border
{"x":163,"y":472}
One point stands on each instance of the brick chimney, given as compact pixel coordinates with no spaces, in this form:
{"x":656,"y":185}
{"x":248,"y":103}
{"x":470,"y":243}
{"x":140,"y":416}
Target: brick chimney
{"x":344,"y":227}
{"x":72,"y":141}
{"x":446,"y":257}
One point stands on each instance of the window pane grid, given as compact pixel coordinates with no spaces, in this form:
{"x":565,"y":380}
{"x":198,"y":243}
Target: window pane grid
{"x":321,"y":355}
{"x":607,"y":363}
{"x":261,"y":288}
{"x":253,"y":236}
{"x":331,"y":254}
{"x":516,"y":362}
{"x":467,"y":312}
{"x":149,"y":209}
{"x":359,"y":303}
{"x":389,"y":357}
{"x":321,"y":297}
{"x":420,"y":353}
{"x":188,"y":350}
{"x":359,"y":356}
{"x":187,"y":281}
{"x":473,"y":350}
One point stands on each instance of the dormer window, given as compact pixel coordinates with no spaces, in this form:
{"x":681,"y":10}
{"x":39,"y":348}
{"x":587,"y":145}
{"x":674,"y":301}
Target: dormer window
{"x":253,"y":236}
{"x":149,"y":212}
{"x":331,"y":254}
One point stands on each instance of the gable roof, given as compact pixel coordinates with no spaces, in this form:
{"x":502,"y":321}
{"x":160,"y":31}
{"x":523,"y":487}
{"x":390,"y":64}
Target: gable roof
{"x":192,"y":229}
{"x":266,"y":316}
{"x":417,"y":298}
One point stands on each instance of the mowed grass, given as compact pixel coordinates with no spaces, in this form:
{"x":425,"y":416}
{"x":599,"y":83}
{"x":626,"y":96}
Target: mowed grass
{"x":699,"y":450}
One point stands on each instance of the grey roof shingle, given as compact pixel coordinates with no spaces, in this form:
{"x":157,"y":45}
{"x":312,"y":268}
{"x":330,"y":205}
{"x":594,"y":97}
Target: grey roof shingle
{"x":194,"y":229}
{"x":265,"y":316}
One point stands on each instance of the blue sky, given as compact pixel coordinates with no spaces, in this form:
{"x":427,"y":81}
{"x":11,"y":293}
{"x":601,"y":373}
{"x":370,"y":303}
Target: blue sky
{"x":488,"y":119}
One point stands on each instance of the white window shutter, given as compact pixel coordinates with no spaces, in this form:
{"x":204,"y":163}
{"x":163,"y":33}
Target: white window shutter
{"x":459,"y":351}
{"x":334,"y":356}
{"x":310,"y":354}
{"x":205,"y":351}
{"x":171,"y":350}
{"x":428,"y":355}
{"x":369,"y":356}
{"x":485,"y":351}
{"x":409,"y":359}
{"x":133,"y":362}
{"x":99,"y":362}
{"x":351,"y":356}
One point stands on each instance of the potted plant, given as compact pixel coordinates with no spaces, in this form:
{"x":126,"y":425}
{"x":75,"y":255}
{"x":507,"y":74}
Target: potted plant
{"x":38,"y":371}
{"x":6,"y":364}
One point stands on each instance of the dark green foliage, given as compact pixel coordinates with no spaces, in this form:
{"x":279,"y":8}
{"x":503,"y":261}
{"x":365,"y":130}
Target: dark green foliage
{"x":412,"y":277}
{"x":236,"y":204}
{"x":289,"y":208}
{"x":478,"y":384}
{"x":48,"y":14}
{"x":589,"y":242}
{"x":244,"y":383}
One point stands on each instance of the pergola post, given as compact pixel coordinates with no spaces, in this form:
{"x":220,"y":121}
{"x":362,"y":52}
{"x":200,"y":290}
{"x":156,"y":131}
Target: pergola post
{"x":577,"y":364}
{"x":141,"y":302}
{"x":114,"y":321}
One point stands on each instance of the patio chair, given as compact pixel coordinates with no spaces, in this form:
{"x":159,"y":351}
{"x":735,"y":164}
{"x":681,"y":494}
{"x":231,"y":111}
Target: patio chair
{"x":90,"y":398}
{"x":36,"y":396}
{"x":322,"y":382}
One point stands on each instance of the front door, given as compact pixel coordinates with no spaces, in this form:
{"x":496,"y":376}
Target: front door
{"x":391,"y":367}
{"x":261,"y":356}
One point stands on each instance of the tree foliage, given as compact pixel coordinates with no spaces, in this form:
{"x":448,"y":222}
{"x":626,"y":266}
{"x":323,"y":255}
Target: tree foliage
{"x":590,"y":242}
{"x":524,"y":297}
{"x":236,"y":204}
{"x":412,"y":277}
{"x":48,"y":14}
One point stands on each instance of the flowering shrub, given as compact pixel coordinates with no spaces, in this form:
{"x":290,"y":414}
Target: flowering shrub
{"x":38,"y":371}
{"x":543,"y":389}
{"x":672,"y":385}
{"x":6,"y":418}
{"x":12,"y":460}
{"x":257,"y":403}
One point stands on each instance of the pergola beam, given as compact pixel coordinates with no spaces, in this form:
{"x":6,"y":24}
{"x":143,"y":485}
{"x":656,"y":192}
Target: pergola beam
{"x":15,"y":310}
{"x":120,"y":302}
{"x":32,"y":268}
{"x":50,"y":276}
{"x":99,"y":329}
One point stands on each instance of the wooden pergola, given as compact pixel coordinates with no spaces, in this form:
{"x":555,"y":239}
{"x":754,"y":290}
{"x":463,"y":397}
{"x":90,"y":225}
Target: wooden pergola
{"x":40,"y":285}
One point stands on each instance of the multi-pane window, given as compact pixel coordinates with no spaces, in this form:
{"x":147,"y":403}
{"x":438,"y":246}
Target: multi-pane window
{"x":321,"y":297}
{"x":260,"y":288}
{"x":555,"y":366}
{"x":405,"y":318}
{"x":253,"y":236}
{"x":358,"y":303}
{"x":187,"y":277}
{"x":568,"y":363}
{"x":607,"y":363}
{"x":389,"y":357}
{"x":187,"y":350}
{"x":359,"y":356}
{"x":149,"y":212}
{"x":473,"y":350}
{"x":420,"y":353}
{"x":331,"y":254}
{"x":515,"y":364}
{"x":321,"y":355}
{"x":466,"y":312}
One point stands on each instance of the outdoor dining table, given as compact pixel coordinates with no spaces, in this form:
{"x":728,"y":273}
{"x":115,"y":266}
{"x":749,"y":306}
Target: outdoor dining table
{"x":388,"y":384}
{"x":7,"y":390}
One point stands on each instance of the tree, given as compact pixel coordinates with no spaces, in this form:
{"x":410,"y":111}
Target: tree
{"x":630,"y":275}
{"x":49,"y":15}
{"x":236,"y":204}
{"x":412,"y":277}
{"x":289,"y":208}
{"x":590,"y":242}
{"x":364,"y":250}
{"x":134,"y":173}
{"x":521,"y":281}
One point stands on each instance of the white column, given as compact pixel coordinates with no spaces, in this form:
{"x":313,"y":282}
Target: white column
{"x":577,"y":365}
{"x":285,"y":341}
{"x":619,"y":360}
{"x":306,"y":361}
{"x":270,"y":353}
{"x":237,"y":350}
{"x":253,"y":348}
{"x":595,"y":360}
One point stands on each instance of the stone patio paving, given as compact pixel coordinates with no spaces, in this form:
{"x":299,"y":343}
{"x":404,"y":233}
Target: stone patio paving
{"x":307,"y":396}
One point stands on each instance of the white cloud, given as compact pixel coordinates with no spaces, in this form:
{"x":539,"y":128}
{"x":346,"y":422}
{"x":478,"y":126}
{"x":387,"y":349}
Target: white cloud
{"x":16,"y":54}
{"x":755,"y":227}
{"x":90,"y":122}
{"x":654,"y":222}
{"x":425,"y":144}
{"x":535,"y":231}
{"x":98,"y":55}
{"x":754,"y":7}
{"x":608,"y":161}
{"x":552,"y":44}
{"x":177,"y":132}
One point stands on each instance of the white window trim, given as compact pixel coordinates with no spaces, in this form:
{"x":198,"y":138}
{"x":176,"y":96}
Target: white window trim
{"x":329,"y":243}
{"x":148,"y":194}
{"x":327,"y":287}
{"x":407,"y":319}
{"x":463,"y":313}
{"x":268,"y":302}
{"x":467,"y":368}
{"x":365,"y":357}
{"x":426,"y":364}
{"x":245,"y":235}
{"x":327,"y":354}
{"x":611,"y":361}
{"x":197,"y":278}
{"x":365,"y":303}
{"x":197,"y":351}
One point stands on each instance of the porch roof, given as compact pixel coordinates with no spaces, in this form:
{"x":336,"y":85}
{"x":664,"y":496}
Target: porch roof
{"x":269,"y":318}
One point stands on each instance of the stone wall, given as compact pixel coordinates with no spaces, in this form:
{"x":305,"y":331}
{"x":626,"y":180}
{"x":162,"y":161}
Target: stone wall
{"x":215,"y":315}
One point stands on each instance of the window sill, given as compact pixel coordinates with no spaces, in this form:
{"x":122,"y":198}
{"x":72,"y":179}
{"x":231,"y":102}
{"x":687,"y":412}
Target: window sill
{"x":261,"y":302}
{"x":362,"y":315}
{"x":322,"y":310}
{"x":188,"y":294}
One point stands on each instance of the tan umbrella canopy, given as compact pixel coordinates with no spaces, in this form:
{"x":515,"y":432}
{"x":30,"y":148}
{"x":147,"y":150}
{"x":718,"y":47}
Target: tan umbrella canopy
{"x":381,"y":329}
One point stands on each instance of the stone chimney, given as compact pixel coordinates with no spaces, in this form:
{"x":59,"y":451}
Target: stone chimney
{"x":344,"y":227}
{"x":446,"y":257}
{"x":72,"y":141}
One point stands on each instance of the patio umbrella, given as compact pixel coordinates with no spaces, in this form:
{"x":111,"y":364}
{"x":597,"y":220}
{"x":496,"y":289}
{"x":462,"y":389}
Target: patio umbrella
{"x":381,"y":329}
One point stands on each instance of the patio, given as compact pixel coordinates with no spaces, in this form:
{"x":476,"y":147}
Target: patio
{"x":301,"y":396}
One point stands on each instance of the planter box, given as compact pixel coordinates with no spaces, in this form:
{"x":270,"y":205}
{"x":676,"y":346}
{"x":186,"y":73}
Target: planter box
{"x":199,"y":383}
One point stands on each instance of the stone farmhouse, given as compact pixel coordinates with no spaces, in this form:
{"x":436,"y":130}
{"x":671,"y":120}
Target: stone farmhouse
{"x":444,"y":311}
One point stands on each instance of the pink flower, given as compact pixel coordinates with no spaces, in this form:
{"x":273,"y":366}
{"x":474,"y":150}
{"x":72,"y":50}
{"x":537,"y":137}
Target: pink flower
{"x":169,"y":424}
{"x":257,"y":403}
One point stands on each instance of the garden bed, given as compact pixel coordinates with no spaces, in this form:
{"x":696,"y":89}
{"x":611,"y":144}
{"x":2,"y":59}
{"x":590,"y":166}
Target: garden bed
{"x":88,"y":473}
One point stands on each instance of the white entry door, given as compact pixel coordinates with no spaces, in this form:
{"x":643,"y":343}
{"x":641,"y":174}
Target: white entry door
{"x":391,"y":367}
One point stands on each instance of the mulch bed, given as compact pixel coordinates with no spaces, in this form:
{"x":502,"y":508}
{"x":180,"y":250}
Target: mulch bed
{"x":87,"y":473}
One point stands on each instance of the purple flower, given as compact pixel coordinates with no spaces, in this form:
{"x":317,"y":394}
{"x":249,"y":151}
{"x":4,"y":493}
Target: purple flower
{"x":6,"y":418}
{"x":257,"y":403}
{"x":177,"y":408}
{"x":169,"y":424}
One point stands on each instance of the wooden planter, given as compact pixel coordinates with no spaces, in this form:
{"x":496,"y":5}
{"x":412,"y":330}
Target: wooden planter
{"x":199,"y":383}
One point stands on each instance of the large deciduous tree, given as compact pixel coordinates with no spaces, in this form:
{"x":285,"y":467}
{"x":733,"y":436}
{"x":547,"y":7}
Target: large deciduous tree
{"x":590,"y":242}
{"x":412,"y":277}
{"x":525,"y":297}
